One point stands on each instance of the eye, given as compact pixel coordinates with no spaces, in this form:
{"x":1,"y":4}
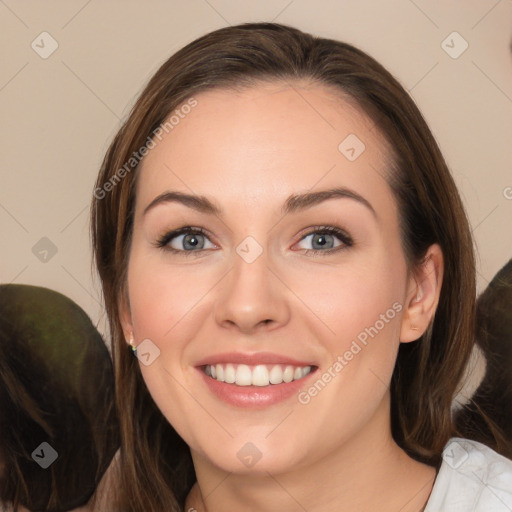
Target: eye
{"x":188,"y":240}
{"x":185,"y":240}
{"x":326,"y":239}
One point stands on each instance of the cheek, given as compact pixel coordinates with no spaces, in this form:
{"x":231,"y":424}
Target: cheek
{"x":164,"y":306}
{"x":161,"y":297}
{"x":355,"y":300}
{"x":361,"y":305}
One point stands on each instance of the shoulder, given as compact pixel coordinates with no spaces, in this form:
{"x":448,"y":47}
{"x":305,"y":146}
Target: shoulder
{"x":472,"y":478}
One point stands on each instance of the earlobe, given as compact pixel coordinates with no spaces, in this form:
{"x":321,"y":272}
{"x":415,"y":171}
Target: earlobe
{"x":424,"y":289}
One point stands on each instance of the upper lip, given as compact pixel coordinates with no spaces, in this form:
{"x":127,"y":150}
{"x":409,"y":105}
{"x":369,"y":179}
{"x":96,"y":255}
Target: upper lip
{"x":251,"y":359}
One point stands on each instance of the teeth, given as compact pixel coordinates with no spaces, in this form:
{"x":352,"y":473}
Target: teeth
{"x":288,"y":374}
{"x":243,"y":375}
{"x":276,"y":375}
{"x":259,"y":375}
{"x":219,"y":370}
{"x":230,"y":374}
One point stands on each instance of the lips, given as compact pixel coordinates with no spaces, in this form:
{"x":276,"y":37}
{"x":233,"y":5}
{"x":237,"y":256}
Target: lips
{"x":252,"y":359}
{"x":254,"y":380}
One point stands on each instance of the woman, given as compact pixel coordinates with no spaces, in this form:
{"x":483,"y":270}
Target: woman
{"x":280,"y":241}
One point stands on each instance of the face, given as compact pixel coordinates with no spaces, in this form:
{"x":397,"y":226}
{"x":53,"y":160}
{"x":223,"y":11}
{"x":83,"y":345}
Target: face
{"x":300,"y":301}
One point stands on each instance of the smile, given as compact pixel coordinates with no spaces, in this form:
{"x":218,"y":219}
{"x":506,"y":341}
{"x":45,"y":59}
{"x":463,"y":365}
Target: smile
{"x":258,"y":375}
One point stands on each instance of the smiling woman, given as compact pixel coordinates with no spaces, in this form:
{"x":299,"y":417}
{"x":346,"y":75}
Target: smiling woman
{"x":265,"y":237}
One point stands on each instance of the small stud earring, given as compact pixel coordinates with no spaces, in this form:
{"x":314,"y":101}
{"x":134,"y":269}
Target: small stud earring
{"x":132,"y":344}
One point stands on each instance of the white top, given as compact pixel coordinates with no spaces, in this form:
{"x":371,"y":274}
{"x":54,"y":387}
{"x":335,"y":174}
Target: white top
{"x":472,"y":478}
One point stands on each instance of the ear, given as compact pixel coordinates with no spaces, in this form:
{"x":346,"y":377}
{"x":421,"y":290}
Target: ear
{"x":423,"y":291}
{"x":125,"y":316}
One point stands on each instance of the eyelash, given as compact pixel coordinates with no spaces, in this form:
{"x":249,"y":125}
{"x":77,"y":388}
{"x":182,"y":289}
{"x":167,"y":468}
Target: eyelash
{"x":163,"y":241}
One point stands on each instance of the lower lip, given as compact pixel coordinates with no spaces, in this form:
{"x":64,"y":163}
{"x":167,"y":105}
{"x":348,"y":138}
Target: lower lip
{"x":254,"y":396}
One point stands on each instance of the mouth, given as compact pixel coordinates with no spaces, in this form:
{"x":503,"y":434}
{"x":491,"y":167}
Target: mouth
{"x":260,"y":375}
{"x":255,"y":380}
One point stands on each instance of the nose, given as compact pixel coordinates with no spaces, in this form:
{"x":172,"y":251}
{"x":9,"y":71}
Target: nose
{"x":252,"y":297}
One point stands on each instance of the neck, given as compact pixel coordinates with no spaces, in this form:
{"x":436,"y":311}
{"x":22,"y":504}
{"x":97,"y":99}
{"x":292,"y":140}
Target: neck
{"x":368,"y":472}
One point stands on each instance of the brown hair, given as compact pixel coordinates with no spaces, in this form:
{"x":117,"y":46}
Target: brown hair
{"x":157,"y":469}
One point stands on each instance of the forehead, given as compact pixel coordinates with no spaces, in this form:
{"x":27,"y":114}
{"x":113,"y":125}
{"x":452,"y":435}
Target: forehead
{"x":266,"y":142}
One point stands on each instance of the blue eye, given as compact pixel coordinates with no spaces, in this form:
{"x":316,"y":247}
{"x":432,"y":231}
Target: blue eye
{"x":324,"y":239}
{"x":184,"y":240}
{"x":188,"y":240}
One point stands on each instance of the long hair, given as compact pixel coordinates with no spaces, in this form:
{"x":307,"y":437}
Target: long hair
{"x":157,"y":470}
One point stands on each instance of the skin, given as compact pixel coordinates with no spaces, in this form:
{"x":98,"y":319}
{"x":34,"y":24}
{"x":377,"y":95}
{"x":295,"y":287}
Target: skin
{"x":248,"y":151}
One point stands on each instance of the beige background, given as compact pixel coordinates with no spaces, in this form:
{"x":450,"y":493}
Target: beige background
{"x":60,"y":113}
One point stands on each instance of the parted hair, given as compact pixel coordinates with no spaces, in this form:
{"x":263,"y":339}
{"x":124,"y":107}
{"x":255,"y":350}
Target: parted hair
{"x":157,"y":471}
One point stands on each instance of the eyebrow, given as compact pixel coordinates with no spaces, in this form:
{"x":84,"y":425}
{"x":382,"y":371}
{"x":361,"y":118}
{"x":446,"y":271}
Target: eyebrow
{"x":293,"y":203}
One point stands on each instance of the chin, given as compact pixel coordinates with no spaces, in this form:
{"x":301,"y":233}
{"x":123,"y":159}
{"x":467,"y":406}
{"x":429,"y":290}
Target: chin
{"x":246,"y":457}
